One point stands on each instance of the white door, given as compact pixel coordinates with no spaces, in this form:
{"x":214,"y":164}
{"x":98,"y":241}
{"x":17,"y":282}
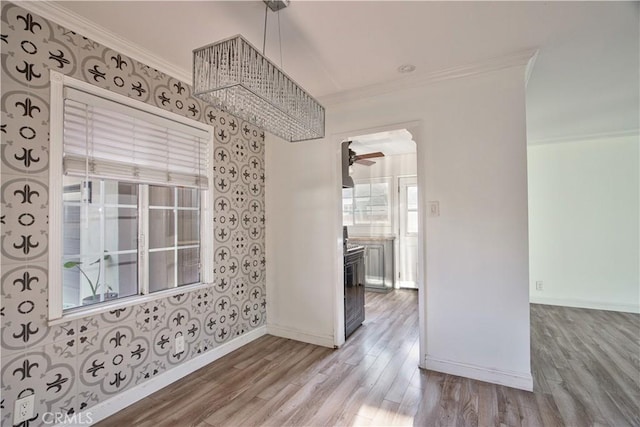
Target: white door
{"x":408,"y":233}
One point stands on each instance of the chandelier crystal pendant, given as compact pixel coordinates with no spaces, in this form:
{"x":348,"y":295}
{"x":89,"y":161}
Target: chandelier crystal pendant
{"x":234,"y":76}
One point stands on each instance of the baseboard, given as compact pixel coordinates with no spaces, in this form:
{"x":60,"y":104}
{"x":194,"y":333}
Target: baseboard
{"x":281,"y":331}
{"x":128,"y":397}
{"x":594,"y":305}
{"x":519,"y":380}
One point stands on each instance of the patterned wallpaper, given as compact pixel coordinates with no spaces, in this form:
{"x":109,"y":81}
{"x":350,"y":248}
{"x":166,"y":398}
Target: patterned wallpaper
{"x":76,"y":365}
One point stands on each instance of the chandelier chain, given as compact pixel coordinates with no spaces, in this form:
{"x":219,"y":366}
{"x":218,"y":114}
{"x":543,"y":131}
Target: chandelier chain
{"x":264,"y":34}
{"x":280,"y":40}
{"x":232,"y":75}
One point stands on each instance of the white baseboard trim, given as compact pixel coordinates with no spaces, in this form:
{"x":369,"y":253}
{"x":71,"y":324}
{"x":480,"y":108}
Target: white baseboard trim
{"x":594,"y":305}
{"x":128,"y":397}
{"x":281,"y":331}
{"x":519,"y":380}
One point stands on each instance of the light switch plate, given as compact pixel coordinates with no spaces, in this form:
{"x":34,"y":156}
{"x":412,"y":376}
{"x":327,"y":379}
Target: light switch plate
{"x":179,"y":344}
{"x":433,"y":208}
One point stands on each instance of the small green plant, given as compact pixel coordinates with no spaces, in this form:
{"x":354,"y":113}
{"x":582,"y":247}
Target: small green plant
{"x":96,"y":285}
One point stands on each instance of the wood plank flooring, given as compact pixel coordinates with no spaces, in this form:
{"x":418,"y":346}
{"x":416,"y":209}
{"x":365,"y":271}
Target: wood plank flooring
{"x":586,"y":367}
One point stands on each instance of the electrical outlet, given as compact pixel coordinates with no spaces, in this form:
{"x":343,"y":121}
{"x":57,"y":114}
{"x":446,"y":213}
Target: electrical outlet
{"x":23,"y":409}
{"x":179,"y":344}
{"x":539,"y":285}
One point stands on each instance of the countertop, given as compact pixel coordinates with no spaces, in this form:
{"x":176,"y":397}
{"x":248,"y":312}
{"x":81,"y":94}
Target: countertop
{"x":371,"y":238}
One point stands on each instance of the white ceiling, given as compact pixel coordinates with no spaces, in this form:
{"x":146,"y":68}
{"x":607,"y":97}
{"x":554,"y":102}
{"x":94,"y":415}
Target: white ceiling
{"x":390,"y":143}
{"x":584,"y":82}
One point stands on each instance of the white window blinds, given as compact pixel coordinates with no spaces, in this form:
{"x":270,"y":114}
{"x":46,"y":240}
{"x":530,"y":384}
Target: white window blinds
{"x":107,"y":139}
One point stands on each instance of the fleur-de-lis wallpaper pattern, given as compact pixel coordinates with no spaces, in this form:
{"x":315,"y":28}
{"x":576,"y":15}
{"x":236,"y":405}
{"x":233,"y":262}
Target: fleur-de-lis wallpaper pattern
{"x":76,"y":365}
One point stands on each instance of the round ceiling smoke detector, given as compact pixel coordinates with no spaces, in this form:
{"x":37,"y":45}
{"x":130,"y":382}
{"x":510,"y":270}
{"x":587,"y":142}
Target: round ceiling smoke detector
{"x":406,"y":68}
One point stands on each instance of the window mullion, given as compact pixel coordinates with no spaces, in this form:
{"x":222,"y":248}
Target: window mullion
{"x":353,"y":206}
{"x":175,"y":237}
{"x":143,"y":239}
{"x":102,"y":250}
{"x":201,"y":246}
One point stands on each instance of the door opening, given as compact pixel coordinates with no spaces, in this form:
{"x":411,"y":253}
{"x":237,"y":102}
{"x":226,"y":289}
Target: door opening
{"x":380,"y":207}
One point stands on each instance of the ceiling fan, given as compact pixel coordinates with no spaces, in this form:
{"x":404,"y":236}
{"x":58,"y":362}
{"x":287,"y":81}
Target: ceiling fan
{"x":363,"y":158}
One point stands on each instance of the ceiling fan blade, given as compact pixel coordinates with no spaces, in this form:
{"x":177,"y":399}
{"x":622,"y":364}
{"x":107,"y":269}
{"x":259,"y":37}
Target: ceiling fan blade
{"x":369,"y":155}
{"x":365,"y":162}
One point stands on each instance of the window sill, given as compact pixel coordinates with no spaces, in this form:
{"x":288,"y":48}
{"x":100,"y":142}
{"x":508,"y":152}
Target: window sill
{"x":81,"y":312}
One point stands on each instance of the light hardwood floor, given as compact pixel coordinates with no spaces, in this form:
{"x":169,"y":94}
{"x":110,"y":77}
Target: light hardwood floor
{"x":585,"y":366}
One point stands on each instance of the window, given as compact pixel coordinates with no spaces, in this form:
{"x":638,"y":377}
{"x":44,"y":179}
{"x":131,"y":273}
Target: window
{"x":412,"y":208}
{"x":100,"y":241}
{"x":174,"y":246}
{"x":129,"y":211}
{"x":367,"y":203}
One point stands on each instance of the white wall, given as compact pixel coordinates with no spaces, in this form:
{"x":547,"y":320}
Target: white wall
{"x":472,"y":158}
{"x":583,"y":223}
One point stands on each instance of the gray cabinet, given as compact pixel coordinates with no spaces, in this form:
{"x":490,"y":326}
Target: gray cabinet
{"x":353,"y":290}
{"x":378,"y":262}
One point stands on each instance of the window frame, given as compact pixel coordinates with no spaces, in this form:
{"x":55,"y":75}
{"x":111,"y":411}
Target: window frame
{"x":55,"y":288}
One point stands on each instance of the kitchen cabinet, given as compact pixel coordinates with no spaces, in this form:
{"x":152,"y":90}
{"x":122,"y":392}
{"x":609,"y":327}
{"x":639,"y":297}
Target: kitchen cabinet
{"x":379,"y":262}
{"x":353,"y":290}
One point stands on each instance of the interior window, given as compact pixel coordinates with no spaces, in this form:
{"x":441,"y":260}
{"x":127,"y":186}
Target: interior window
{"x":368,"y":203}
{"x":130,"y":193}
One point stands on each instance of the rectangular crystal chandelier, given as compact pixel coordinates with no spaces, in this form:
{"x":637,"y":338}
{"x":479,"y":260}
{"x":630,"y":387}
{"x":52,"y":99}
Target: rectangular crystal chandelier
{"x":234,"y":76}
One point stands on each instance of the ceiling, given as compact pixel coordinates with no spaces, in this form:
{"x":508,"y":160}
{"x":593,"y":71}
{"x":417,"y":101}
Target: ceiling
{"x":584,"y":82}
{"x":390,"y":143}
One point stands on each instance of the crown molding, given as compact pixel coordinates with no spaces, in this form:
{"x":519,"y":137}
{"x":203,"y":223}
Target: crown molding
{"x":585,"y":137}
{"x":529,"y":69}
{"x":74,"y":22}
{"x":520,"y":58}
